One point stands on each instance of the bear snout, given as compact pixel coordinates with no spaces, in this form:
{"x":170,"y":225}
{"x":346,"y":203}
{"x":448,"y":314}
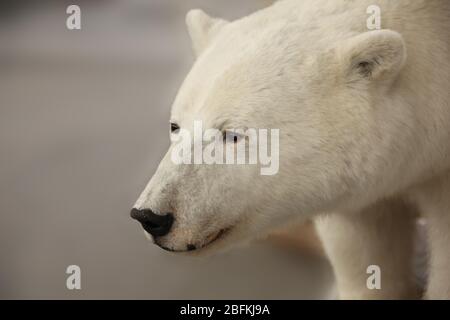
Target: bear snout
{"x":155,"y":224}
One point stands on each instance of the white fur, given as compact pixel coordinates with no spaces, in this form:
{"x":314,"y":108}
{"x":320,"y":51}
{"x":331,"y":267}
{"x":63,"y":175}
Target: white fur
{"x":365,"y":133}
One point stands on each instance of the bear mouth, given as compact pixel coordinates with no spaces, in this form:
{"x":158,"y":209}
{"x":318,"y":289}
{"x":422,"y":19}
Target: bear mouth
{"x":214,"y":237}
{"x":209,"y":240}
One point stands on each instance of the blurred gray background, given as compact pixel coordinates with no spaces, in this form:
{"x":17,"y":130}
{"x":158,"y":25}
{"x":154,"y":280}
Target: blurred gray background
{"x":83,"y":124}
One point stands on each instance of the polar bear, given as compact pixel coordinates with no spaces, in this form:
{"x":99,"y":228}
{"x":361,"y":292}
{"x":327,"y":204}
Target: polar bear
{"x":364,"y":120}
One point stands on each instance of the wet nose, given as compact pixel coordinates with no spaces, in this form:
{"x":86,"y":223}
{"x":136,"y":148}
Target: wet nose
{"x":155,"y":224}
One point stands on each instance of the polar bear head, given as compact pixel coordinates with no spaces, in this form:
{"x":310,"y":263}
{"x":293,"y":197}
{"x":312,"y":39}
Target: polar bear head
{"x":321,"y":89}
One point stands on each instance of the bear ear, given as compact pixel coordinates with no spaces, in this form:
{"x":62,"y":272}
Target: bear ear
{"x":374,"y":55}
{"x":202,"y":29}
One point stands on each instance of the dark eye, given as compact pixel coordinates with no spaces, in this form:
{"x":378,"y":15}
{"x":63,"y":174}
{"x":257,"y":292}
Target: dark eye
{"x":231,"y":137}
{"x":174,"y":127}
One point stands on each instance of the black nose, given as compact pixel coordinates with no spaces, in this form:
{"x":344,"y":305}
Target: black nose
{"x":155,"y":224}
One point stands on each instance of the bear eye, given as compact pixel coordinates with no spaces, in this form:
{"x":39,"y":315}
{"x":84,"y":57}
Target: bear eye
{"x":174,"y":127}
{"x":232,"y":137}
